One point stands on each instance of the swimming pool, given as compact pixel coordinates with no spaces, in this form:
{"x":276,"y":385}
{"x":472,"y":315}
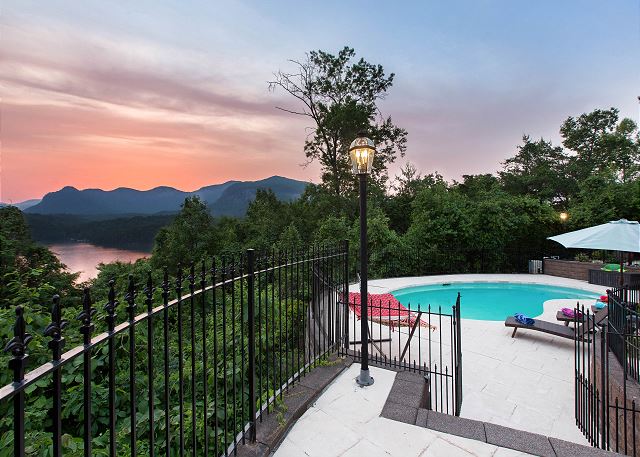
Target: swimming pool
{"x":489,"y":301}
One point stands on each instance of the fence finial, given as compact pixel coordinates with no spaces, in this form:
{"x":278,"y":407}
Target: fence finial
{"x":85,"y":316}
{"x":17,"y":346}
{"x":54,"y":329}
{"x":110,"y":306}
{"x":203,"y":276}
{"x":165,"y":284}
{"x":130,"y":298}
{"x":148,"y":291}
{"x":179,"y":280}
{"x":192,"y":278}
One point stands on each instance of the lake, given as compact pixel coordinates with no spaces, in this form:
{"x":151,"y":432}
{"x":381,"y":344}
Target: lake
{"x":85,"y":257}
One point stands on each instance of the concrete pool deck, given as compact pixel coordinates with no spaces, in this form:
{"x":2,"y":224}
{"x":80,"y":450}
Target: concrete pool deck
{"x":346,"y":421}
{"x":526,"y":382}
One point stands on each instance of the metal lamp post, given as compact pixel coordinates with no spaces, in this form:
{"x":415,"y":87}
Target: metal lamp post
{"x":362,"y":150}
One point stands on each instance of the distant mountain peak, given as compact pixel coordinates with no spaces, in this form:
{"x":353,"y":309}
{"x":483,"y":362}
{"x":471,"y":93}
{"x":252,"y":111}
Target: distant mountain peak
{"x":230,"y":198}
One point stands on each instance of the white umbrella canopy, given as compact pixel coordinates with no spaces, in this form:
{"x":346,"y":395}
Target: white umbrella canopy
{"x":622,"y":235}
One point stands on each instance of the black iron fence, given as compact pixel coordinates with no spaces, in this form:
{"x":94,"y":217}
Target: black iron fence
{"x":624,"y":323}
{"x":607,"y":374}
{"x":211,"y":352}
{"x":193,"y":373}
{"x":417,"y":338}
{"x":631,"y":280}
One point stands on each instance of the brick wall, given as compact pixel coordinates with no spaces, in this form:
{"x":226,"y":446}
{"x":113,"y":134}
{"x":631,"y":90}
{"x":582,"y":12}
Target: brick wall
{"x":568,"y":268}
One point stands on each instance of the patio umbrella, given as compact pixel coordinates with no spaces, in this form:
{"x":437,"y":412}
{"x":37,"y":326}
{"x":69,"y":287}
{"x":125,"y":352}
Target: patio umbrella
{"x":622,"y":235}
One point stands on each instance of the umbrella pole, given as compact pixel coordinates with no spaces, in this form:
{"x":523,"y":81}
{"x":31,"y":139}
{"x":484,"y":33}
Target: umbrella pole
{"x":621,"y":269}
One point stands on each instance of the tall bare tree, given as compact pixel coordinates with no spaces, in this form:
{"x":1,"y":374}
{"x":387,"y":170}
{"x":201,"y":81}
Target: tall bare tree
{"x":340,"y":96}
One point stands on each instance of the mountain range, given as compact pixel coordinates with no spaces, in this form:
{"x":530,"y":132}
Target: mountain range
{"x":23,"y":205}
{"x":231,"y":198}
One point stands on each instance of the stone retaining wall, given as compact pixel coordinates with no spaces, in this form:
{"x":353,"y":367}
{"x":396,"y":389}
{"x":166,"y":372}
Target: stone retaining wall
{"x":568,"y":268}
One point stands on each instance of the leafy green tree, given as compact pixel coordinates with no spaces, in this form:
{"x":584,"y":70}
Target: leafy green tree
{"x":332,"y":230}
{"x":587,"y":135}
{"x":228,"y":235}
{"x":290,"y":239}
{"x":383,"y":243}
{"x":624,"y":146}
{"x":602,"y":198}
{"x":340,"y":96}
{"x":404,"y":188}
{"x":474,"y":185}
{"x":23,"y":263}
{"x":539,"y":170}
{"x":266,"y":219}
{"x":187,"y":239}
{"x":440,"y":217}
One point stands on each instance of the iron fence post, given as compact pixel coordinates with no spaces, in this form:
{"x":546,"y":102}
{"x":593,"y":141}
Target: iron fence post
{"x":86,"y":329}
{"x":130,"y":298}
{"x":427,"y":380}
{"x":17,"y":346}
{"x":603,"y":389}
{"x":459,"y":365}
{"x":54,"y":330}
{"x":345,"y":296}
{"x":252,"y":342}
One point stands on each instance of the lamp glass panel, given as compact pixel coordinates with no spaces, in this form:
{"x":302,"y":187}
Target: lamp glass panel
{"x":362,"y":160}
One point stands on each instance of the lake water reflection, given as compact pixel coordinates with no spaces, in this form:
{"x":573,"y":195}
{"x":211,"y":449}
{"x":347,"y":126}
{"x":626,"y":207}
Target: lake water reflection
{"x":85,"y":257}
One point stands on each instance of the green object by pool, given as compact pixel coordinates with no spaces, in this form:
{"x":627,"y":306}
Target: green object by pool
{"x":489,"y":301}
{"x":612,"y":267}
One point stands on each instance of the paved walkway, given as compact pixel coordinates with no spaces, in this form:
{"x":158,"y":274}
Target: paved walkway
{"x":526,"y":382}
{"x":345,"y":421}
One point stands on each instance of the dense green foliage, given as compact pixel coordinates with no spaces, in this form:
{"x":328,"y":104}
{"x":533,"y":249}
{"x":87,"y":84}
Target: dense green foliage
{"x":31,"y":284}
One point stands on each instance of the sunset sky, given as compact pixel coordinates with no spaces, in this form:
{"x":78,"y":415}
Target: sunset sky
{"x":146,"y":93}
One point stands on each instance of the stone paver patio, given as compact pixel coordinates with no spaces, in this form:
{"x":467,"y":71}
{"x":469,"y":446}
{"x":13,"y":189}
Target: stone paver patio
{"x":345,"y":421}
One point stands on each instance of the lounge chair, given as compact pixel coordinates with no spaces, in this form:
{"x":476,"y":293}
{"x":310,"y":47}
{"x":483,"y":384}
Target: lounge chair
{"x":567,"y":320}
{"x":557,"y":329}
{"x":387,"y":310}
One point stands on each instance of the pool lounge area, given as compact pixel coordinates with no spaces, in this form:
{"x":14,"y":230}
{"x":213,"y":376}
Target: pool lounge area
{"x":525,"y":382}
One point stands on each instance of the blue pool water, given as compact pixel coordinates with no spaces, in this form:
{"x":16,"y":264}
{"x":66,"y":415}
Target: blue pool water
{"x":486,"y":300}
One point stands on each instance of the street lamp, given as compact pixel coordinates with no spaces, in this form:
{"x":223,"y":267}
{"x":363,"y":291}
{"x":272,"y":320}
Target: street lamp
{"x":362,"y":150}
{"x":564,"y":216}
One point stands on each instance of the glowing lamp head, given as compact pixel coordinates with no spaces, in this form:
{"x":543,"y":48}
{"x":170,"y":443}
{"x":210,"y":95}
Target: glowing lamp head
{"x":564,"y":216}
{"x":362,"y":150}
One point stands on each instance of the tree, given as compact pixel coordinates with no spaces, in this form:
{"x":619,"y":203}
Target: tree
{"x":267,"y":217}
{"x":587,"y":136}
{"x":27,"y":266}
{"x":340,"y":96}
{"x":539,"y":170}
{"x":475,"y":185}
{"x":440,"y":216}
{"x":602,"y":198}
{"x":187,"y":239}
{"x":406,"y":186}
{"x":290,"y":239}
{"x":624,"y":149}
{"x":332,"y":230}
